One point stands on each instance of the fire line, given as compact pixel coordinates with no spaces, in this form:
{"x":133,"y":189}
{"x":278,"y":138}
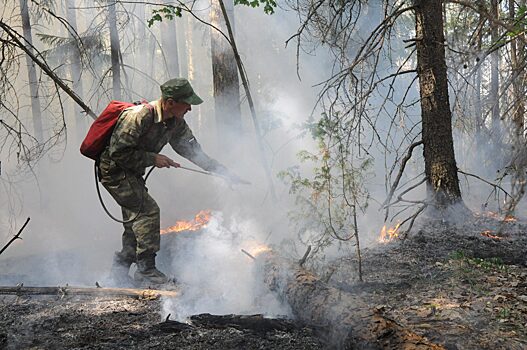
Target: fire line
{"x":200,"y":221}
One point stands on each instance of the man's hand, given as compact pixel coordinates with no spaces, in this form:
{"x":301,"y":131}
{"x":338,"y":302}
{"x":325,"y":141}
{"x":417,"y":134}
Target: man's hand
{"x":162,"y":161}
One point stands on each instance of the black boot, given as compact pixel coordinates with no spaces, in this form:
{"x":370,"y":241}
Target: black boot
{"x":119,"y":273}
{"x":147,"y":273}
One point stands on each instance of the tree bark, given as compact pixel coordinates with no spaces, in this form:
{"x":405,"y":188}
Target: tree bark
{"x":250,"y":101}
{"x":115,"y":48}
{"x":440,"y":162}
{"x":76,"y":68}
{"x":169,"y":43}
{"x":225,"y":75}
{"x":494,"y":71}
{"x":32,"y":72}
{"x":479,"y":120}
{"x":347,"y":319}
{"x":517,"y":60}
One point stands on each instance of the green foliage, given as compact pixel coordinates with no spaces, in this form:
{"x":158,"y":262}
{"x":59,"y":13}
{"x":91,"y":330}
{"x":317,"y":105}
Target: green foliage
{"x":495,"y":263}
{"x":333,"y":190}
{"x":61,"y":49}
{"x":168,"y":12}
{"x":268,"y":5}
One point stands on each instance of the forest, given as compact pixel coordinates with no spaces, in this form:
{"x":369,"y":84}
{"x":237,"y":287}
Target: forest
{"x":358,"y":183}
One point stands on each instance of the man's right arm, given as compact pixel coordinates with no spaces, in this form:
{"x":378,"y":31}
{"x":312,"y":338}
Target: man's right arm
{"x":186,"y":145}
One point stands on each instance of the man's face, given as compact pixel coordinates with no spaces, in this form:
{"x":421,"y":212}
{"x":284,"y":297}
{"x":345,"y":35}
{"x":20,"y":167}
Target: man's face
{"x":177,"y":109}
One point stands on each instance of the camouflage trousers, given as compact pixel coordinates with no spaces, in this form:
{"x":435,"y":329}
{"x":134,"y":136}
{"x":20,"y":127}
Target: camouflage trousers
{"x":141,"y":237}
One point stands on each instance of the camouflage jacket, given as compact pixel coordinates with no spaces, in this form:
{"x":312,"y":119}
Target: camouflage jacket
{"x":141,"y":134}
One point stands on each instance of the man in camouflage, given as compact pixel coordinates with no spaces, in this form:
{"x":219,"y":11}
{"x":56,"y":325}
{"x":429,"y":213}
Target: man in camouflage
{"x":139,"y":135}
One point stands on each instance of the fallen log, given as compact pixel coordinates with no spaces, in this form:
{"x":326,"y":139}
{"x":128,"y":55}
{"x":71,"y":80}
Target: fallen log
{"x":149,"y":294}
{"x":347,"y":321}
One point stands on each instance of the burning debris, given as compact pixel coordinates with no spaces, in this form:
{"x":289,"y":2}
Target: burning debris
{"x":200,"y":221}
{"x":254,"y":248}
{"x":388,"y":235}
{"x":490,"y":234}
{"x":496,"y":216}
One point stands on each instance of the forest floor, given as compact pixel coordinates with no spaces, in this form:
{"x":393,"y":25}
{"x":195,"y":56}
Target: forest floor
{"x":461,"y":287}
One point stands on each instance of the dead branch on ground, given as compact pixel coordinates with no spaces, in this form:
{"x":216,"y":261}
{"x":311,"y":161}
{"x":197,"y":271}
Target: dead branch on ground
{"x":149,"y":294}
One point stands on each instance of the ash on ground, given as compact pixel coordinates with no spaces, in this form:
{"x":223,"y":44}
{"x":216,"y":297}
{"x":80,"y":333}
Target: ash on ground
{"x":112,"y":323}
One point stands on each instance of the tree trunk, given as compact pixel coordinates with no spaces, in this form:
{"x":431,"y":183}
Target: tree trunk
{"x":494,"y":71}
{"x":517,"y":59}
{"x":75,"y":70}
{"x":440,"y":162}
{"x":32,"y":73}
{"x":479,"y":120}
{"x":225,"y":75}
{"x":169,"y":43}
{"x":115,"y":51}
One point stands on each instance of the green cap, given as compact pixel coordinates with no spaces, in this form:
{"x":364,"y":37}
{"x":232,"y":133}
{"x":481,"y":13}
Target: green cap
{"x":180,"y":90}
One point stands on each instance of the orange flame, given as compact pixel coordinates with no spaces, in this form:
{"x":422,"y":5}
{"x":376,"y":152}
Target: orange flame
{"x":388,"y":235}
{"x":489,"y":234}
{"x":494,"y":215}
{"x":200,"y":220}
{"x":255,"y":248}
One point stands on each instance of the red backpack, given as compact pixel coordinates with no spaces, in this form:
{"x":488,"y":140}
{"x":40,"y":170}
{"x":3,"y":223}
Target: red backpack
{"x":101,"y":130}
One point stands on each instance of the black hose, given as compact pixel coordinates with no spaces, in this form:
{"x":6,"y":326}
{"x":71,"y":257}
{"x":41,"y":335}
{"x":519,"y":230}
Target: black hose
{"x":104,"y":206}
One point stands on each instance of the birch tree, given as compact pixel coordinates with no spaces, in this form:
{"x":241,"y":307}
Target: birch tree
{"x":32,"y":72}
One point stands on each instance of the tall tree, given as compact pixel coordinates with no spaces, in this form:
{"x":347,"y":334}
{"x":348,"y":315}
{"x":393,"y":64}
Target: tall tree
{"x":494,"y":70}
{"x":440,"y":162}
{"x":518,"y":74}
{"x":169,"y":42}
{"x":225,"y":73}
{"x":32,"y":72}
{"x":115,"y":49}
{"x":76,"y":65}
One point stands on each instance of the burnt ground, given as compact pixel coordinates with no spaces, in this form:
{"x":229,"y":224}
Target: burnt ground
{"x":113,"y":323}
{"x":449,"y":284}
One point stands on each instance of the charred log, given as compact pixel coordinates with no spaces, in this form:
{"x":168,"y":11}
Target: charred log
{"x":346,"y":320}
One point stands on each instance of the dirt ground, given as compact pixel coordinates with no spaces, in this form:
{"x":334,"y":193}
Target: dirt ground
{"x":456,"y":285}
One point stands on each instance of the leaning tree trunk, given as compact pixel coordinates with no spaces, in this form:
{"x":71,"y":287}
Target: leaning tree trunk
{"x":349,"y":322}
{"x":440,"y":162}
{"x":32,"y":72}
{"x":115,"y":51}
{"x":225,"y":75}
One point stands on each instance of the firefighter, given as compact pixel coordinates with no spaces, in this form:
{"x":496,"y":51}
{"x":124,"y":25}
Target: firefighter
{"x":139,"y":135}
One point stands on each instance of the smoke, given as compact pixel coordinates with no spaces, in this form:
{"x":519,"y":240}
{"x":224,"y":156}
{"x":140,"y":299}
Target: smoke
{"x":215,"y":276}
